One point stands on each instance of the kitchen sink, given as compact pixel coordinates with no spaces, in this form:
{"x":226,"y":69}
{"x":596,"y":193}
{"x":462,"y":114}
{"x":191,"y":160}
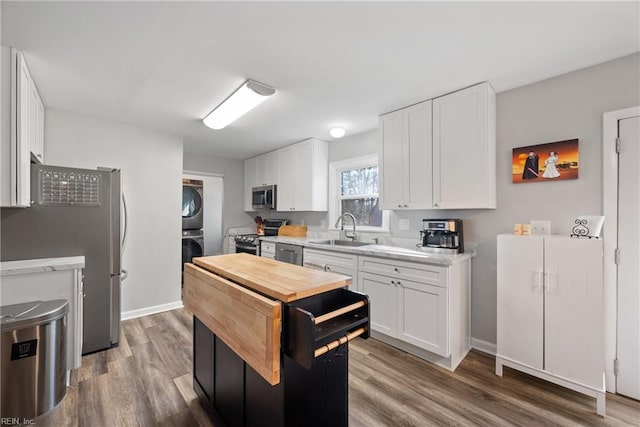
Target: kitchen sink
{"x":340,"y":243}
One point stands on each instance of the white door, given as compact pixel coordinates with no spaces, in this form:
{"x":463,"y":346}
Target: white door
{"x":422,"y":316}
{"x":628,"y":342}
{"x":574,"y":309}
{"x":520,"y":299}
{"x":391,"y":171}
{"x":382,"y":295}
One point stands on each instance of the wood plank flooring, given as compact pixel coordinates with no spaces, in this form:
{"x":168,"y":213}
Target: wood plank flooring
{"x":146,"y":381}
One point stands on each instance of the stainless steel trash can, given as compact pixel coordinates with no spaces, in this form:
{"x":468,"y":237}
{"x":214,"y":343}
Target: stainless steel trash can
{"x":34,"y":360}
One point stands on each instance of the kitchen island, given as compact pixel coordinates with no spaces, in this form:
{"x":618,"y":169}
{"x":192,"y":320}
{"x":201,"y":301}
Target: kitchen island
{"x":271,"y":340}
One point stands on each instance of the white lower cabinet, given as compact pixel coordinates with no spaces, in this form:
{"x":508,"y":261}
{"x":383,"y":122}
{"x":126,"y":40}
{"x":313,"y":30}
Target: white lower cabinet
{"x":550,"y":310}
{"x":421,"y":308}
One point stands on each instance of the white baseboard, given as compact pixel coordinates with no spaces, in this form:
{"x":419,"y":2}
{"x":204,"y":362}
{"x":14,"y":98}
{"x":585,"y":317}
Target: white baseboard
{"x":484,"y":346}
{"x":132,"y":314}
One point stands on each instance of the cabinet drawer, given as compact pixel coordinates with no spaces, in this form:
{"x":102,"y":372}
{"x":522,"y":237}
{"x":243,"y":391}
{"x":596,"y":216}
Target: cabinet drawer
{"x":246,"y":321}
{"x":331,"y":258}
{"x":421,"y":273}
{"x":322,"y":322}
{"x":267,"y":248}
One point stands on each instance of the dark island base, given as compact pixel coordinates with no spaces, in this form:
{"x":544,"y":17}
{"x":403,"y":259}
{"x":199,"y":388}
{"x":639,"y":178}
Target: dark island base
{"x":235,"y":395}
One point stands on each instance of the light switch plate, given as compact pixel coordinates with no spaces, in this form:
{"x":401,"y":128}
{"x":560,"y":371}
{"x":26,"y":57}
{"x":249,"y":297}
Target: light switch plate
{"x":540,"y":227}
{"x":403,"y":224}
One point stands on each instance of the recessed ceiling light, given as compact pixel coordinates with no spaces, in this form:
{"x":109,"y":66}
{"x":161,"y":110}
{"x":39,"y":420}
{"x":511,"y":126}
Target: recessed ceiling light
{"x":337,"y":132}
{"x":243,"y":100}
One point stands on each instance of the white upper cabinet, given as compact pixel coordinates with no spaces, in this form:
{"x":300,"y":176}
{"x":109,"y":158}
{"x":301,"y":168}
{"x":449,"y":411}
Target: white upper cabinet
{"x":405,"y":158}
{"x":303,"y":176}
{"x":440,"y":154}
{"x":464,"y":149}
{"x":267,"y":169}
{"x":23,"y":121}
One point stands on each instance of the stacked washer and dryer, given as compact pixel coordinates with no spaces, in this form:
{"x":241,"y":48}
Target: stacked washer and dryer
{"x":192,"y":215}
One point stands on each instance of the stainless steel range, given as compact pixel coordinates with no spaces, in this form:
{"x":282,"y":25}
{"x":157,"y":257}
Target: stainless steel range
{"x":249,"y":243}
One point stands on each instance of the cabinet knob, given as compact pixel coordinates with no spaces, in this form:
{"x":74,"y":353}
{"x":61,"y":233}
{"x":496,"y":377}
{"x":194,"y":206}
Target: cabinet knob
{"x":435,"y":204}
{"x":398,"y":282}
{"x":396,"y":270}
{"x":327,"y":268}
{"x":393,"y":282}
{"x":399,"y":206}
{"x":406,"y":206}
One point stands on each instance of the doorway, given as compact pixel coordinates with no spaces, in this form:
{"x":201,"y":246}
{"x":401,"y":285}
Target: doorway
{"x":621,"y":200}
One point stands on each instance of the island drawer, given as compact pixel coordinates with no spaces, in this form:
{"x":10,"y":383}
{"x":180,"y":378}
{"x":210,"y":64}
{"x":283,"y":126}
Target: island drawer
{"x":320,"y":323}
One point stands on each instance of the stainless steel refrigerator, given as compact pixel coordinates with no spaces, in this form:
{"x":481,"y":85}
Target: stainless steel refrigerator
{"x":75,"y":212}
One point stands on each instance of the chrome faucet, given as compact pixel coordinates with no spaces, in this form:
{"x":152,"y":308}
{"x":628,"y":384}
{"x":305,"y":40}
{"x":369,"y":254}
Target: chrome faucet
{"x":353,"y":221}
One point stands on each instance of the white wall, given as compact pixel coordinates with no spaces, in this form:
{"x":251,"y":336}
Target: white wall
{"x":151,"y":164}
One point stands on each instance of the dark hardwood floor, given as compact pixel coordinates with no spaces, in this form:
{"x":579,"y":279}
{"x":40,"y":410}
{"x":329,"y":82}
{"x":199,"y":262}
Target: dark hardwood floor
{"x":146,"y":381}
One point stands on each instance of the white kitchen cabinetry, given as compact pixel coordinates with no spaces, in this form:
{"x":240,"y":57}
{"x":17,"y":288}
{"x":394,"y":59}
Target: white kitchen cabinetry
{"x":335,"y":262}
{"x":421,"y":308}
{"x":550,"y":310}
{"x":23,"y":128}
{"x":405,"y":158}
{"x":303,"y":176}
{"x":268,"y":250}
{"x":464,"y":149}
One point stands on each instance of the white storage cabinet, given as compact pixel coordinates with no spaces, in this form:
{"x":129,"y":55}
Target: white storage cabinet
{"x":405,"y":158}
{"x":421,"y":308}
{"x":303,"y":176}
{"x":267,"y":249}
{"x":550,"y":310}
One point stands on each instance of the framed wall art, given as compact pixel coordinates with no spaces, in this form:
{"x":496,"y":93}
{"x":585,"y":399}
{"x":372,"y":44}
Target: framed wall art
{"x":553,"y":161}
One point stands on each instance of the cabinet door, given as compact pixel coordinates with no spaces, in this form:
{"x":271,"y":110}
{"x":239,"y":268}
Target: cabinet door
{"x":261,"y":170}
{"x":382,"y":296}
{"x":271,"y":168}
{"x":249,"y":183}
{"x":391,"y":168}
{"x":423,"y":316}
{"x":203,"y":362}
{"x":303,"y":181}
{"x":287,"y":179}
{"x":574,"y":334}
{"x":418,"y":187}
{"x":520,"y":299}
{"x":21,"y":160}
{"x":464,"y":149}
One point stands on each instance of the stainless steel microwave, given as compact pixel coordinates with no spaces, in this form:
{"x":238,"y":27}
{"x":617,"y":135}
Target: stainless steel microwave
{"x":264,"y":197}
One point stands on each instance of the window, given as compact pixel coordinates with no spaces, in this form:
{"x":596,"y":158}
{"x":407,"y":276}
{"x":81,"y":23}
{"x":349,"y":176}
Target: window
{"x":354,"y":189}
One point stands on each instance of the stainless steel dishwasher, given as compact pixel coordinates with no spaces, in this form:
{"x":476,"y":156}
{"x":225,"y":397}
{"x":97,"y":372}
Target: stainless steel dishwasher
{"x":289,"y":253}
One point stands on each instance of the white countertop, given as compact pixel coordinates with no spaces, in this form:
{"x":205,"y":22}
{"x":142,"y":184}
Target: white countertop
{"x":41,"y":265}
{"x":380,"y":251}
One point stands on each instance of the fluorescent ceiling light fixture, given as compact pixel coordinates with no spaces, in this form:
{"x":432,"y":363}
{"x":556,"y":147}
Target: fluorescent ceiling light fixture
{"x":243,"y":100}
{"x":337,"y":132}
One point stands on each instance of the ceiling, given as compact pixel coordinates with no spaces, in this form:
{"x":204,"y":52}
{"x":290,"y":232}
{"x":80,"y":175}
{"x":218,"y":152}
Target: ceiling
{"x":165,"y":65}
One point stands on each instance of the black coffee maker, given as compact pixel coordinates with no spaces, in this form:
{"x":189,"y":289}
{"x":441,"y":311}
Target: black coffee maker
{"x":442,"y":235}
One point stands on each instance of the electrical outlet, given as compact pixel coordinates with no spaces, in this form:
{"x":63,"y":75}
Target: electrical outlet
{"x":403,"y":224}
{"x":540,"y":227}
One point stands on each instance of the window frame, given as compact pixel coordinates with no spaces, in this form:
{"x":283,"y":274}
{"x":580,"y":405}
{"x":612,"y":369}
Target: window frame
{"x":335,"y":207}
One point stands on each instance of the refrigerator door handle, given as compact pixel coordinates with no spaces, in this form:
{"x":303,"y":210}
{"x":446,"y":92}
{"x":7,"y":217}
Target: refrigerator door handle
{"x":123,"y":275}
{"x":126,"y":222}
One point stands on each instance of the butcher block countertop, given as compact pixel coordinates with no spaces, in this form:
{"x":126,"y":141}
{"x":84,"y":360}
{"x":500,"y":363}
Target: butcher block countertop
{"x":276,"y":279}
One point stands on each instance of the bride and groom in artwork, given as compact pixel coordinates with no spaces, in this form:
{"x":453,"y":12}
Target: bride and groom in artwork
{"x":531,"y":166}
